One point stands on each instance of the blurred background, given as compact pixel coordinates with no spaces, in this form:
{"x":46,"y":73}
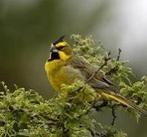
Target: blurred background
{"x":28,"y":26}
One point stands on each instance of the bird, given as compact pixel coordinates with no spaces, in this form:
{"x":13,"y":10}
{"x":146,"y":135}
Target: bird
{"x":63,"y":66}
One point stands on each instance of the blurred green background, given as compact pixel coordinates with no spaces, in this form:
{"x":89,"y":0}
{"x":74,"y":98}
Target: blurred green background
{"x":28,"y":26}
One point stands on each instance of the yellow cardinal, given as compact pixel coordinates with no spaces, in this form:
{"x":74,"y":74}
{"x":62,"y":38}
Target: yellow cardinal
{"x":63,"y":67}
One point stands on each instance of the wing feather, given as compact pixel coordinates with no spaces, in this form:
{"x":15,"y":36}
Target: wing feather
{"x":87,"y":70}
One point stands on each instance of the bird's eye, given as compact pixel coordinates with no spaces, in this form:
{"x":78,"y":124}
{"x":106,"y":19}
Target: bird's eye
{"x":60,"y":48}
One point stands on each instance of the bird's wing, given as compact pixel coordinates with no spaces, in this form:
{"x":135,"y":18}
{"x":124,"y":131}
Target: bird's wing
{"x":87,"y":70}
{"x":108,"y":81}
{"x":103,"y":83}
{"x":98,"y":84}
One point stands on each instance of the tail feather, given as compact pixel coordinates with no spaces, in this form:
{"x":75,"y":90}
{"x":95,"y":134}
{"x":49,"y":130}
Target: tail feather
{"x":123,"y":100}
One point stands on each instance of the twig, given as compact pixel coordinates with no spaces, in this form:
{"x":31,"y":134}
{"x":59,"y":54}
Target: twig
{"x":119,"y":52}
{"x":98,"y":107}
{"x":113,"y":108}
{"x":114,"y":69}
{"x":92,"y":132}
{"x":106,"y":59}
{"x":113,"y":115}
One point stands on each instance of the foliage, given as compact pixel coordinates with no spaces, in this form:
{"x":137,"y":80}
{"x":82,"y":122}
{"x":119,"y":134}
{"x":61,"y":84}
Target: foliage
{"x":24,"y":113}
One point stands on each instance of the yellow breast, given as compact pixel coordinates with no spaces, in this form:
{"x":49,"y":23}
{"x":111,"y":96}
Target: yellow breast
{"x":58,"y":73}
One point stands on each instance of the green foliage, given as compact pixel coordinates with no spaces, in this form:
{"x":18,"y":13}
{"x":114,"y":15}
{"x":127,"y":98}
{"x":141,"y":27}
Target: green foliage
{"x":24,"y":113}
{"x":118,"y":70}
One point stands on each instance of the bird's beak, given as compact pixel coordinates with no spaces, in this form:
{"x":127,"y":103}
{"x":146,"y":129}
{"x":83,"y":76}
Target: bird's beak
{"x":52,"y":51}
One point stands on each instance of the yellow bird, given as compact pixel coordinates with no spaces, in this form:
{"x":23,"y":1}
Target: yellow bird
{"x":64,"y":67}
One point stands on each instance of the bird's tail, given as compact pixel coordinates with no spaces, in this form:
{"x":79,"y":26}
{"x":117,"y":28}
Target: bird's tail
{"x":122,"y":100}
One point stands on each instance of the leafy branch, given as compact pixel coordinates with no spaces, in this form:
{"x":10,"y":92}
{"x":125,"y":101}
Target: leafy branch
{"x":27,"y":114}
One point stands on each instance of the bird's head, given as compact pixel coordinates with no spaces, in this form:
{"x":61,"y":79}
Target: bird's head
{"x":60,"y":50}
